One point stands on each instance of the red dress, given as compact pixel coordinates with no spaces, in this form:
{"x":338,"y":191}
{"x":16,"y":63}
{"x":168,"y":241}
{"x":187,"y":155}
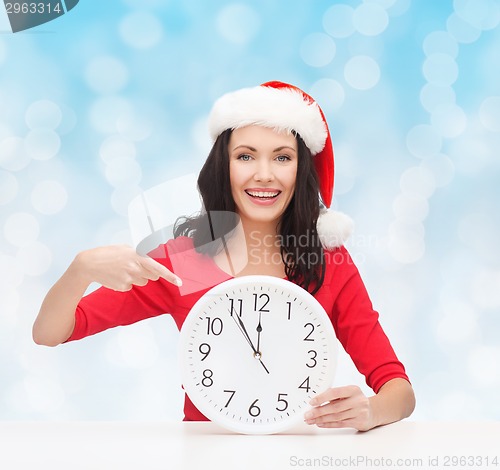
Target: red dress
{"x":342,"y":295}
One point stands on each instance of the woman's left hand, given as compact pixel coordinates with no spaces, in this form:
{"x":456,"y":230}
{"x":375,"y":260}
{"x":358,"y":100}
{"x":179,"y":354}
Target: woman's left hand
{"x":341,"y":407}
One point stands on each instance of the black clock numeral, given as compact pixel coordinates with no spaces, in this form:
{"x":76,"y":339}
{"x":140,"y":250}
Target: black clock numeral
{"x":305,"y":385}
{"x":239,"y":309}
{"x":204,"y":349}
{"x":265,"y":299}
{"x":207,"y":380}
{"x":214,"y":326}
{"x":232,"y":392}
{"x":314,"y":354}
{"x":311,"y":326}
{"x":289,"y":304}
{"x":283,"y":401}
{"x":254,"y":410}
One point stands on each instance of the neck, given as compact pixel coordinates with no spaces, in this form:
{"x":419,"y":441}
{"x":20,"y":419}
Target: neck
{"x":254,"y":248}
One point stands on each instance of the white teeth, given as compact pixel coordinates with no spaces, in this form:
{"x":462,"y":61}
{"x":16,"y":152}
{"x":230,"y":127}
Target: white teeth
{"x":263,"y":194}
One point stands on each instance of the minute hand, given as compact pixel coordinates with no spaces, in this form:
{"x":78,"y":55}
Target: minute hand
{"x":243,"y":329}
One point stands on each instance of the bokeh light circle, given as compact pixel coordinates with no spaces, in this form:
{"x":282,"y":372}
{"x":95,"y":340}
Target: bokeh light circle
{"x":411,"y":207}
{"x":440,"y":69}
{"x":141,"y":30}
{"x":49,"y":197}
{"x":106,"y":112}
{"x":43,"y":114}
{"x":133,"y":127}
{"x":328,"y":93}
{"x":399,"y":8}
{"x":123,"y":171}
{"x":106,"y":74}
{"x":462,"y":30}
{"x":21,"y":229}
{"x":238,"y":23}
{"x":42,"y":144}
{"x":317,"y":49}
{"x":449,"y":120}
{"x":34,"y":259}
{"x":9,"y":187}
{"x":441,"y":167}
{"x":121,"y":197}
{"x":418,"y":182}
{"x":432,"y":96}
{"x":406,"y":242}
{"x":362,"y":72}
{"x":489,"y":113}
{"x":117,"y":147}
{"x":484,"y":289}
{"x":482,"y":14}
{"x":11,"y":275}
{"x":337,"y":21}
{"x":370,"y":19}
{"x":69,"y":120}
{"x":423,"y":141}
{"x":13,"y":155}
{"x":440,"y":42}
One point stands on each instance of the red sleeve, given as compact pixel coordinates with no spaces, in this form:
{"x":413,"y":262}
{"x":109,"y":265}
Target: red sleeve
{"x":106,"y":308}
{"x":357,"y":324}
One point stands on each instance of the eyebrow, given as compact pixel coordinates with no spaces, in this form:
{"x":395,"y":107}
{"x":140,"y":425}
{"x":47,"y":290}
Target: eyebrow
{"x":277,"y":149}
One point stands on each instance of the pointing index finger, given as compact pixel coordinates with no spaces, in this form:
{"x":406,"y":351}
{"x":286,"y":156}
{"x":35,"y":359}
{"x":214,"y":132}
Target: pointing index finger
{"x":155,"y":267}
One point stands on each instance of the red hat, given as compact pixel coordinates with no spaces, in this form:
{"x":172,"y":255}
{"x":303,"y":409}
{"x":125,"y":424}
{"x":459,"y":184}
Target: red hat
{"x":285,"y":107}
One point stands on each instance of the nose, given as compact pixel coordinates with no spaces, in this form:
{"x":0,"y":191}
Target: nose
{"x":264,"y":171}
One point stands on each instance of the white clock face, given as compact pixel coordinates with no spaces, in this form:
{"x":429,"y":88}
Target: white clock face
{"x":254,"y":350}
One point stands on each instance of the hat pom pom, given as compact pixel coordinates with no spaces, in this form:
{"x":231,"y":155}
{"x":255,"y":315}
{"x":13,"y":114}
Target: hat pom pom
{"x":334,"y":228}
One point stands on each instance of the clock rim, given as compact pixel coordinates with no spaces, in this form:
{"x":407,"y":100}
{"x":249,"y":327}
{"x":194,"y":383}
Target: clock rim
{"x":247,"y":428}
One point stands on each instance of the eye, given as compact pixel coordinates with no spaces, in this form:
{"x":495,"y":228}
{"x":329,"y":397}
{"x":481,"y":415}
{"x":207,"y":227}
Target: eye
{"x":244,"y":157}
{"x":283,"y":158}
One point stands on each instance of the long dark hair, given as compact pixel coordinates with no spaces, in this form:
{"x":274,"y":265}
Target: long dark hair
{"x":300,"y":247}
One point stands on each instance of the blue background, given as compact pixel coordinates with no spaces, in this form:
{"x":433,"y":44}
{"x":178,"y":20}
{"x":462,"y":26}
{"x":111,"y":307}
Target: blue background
{"x":111,"y":99}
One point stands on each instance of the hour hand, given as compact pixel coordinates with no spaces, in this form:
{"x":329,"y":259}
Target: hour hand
{"x":259,"y":331}
{"x":244,"y":331}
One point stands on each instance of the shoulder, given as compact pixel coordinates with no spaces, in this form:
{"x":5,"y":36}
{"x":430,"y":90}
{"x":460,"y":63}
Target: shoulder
{"x":338,"y":256}
{"x":339,"y":266}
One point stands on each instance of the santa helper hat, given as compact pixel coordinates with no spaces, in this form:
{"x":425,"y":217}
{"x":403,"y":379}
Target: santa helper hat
{"x":284,"y":107}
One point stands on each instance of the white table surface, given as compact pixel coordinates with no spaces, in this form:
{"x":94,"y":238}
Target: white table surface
{"x":177,"y":445}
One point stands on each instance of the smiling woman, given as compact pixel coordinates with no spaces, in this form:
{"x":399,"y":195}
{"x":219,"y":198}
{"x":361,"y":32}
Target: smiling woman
{"x":262,"y":176}
{"x":265,"y":186}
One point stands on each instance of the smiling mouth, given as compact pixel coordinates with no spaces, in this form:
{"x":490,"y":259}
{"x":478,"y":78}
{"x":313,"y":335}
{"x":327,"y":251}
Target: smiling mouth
{"x":263,"y":194}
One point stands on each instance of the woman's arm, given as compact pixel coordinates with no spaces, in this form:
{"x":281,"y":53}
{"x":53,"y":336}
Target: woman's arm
{"x":344,"y":407}
{"x":114,"y":267}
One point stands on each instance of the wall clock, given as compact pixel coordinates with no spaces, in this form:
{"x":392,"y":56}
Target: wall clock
{"x":254,"y":350}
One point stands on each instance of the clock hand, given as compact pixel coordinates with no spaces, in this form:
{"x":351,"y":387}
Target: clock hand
{"x":243,"y":329}
{"x":259,"y":331}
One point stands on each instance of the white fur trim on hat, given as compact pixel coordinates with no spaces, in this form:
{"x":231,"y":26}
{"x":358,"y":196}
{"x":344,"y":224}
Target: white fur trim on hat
{"x":334,"y":228}
{"x":278,"y":108}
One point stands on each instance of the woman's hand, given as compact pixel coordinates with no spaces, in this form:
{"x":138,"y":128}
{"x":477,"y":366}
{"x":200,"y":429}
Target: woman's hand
{"x":341,"y":407}
{"x":348,"y":407}
{"x":119,"y":267}
{"x":115,"y":267}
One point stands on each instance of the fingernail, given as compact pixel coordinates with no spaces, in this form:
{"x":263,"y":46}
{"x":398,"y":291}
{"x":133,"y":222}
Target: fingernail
{"x":178,"y":281}
{"x":308,"y":416}
{"x":312,"y":401}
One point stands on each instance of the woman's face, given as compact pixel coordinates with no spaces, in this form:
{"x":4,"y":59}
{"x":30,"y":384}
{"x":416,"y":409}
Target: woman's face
{"x":263,"y":170}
